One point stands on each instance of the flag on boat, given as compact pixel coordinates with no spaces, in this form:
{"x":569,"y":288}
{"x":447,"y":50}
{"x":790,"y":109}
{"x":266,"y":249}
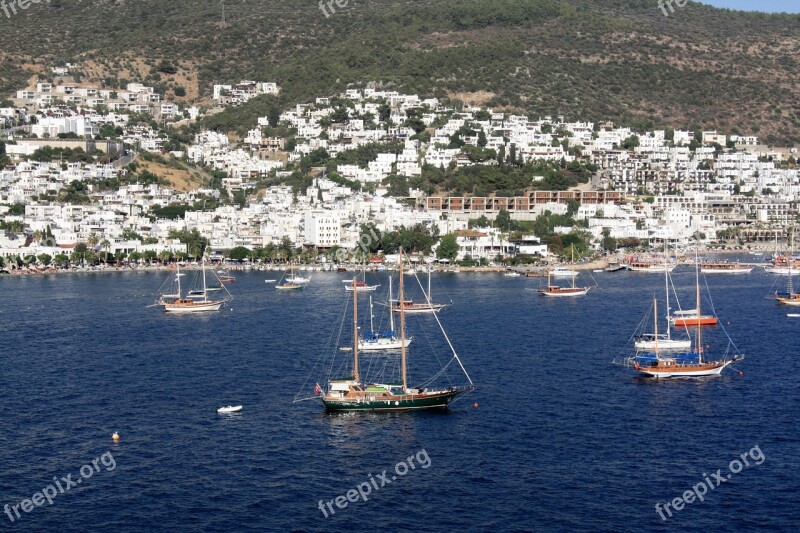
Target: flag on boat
{"x":317,"y":390}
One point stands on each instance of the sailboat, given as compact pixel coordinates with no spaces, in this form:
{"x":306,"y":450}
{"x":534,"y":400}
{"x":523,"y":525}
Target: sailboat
{"x":784,"y":264}
{"x":361,"y":286}
{"x":557,"y":291}
{"x":691,"y":364}
{"x":411,"y":308}
{"x":654,"y":341}
{"x":389,"y":340}
{"x":198,"y":302}
{"x":354,"y":394}
{"x":288,"y":284}
{"x":789,"y":297}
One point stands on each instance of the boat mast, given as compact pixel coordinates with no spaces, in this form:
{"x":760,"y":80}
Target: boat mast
{"x":429,"y":286}
{"x":371,"y":324}
{"x":666,"y":289}
{"x":790,"y":288}
{"x":355,"y":331}
{"x":401,"y":297}
{"x":179,"y":281}
{"x":699,"y":329}
{"x":391,"y":311}
{"x":203,"y":267}
{"x":572,"y":264}
{"x":655,"y":321}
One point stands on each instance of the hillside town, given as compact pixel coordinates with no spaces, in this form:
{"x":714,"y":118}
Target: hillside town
{"x":80,"y":173}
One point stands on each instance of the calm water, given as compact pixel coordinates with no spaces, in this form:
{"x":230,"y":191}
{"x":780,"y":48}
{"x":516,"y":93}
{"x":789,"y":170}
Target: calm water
{"x":561,"y":439}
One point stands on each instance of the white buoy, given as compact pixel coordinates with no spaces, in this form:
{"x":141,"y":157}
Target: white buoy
{"x":115,"y":437}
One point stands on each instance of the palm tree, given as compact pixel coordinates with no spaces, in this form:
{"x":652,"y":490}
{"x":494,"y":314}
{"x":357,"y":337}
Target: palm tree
{"x":93,"y":240}
{"x":107,"y":246}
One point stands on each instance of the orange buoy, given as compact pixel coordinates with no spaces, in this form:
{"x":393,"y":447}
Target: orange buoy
{"x":115,"y":437}
{"x":475,"y":404}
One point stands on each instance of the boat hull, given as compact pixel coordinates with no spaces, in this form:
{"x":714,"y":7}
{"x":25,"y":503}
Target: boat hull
{"x":737,"y":270}
{"x":684,"y":371}
{"x":382,"y":345}
{"x":790,"y":300}
{"x":564,"y":292}
{"x":405,"y":402}
{"x":694,"y":321}
{"x":658,"y":269}
{"x":192,"y":307}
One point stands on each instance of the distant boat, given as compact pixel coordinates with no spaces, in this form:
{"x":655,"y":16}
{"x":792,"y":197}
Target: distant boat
{"x":793,"y":315}
{"x":512,"y":274}
{"x":298,"y":280}
{"x":615,"y":267}
{"x":425,"y":307}
{"x":270,"y":281}
{"x":196,"y":300}
{"x":289,"y":285}
{"x":373,"y":341}
{"x":724,"y":267}
{"x":692,"y":317}
{"x":646,"y":266}
{"x":563,"y":272}
{"x":229,"y":409}
{"x":360,"y":286}
{"x":556,"y":291}
{"x":225,"y":277}
{"x":790,"y":297}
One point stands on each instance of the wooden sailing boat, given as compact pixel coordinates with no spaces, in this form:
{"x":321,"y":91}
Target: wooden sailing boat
{"x":426,"y":307}
{"x":353,"y":394}
{"x":557,"y":291}
{"x":692,"y":364}
{"x":198,"y":302}
{"x":289,"y":284}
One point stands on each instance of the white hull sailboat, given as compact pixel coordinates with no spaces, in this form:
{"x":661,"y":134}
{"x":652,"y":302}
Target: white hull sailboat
{"x":376,"y":342}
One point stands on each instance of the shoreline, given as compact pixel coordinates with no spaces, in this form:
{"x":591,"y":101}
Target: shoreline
{"x":538,"y":269}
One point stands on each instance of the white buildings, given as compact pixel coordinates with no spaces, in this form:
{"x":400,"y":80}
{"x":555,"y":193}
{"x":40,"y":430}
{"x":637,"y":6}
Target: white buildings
{"x":322,"y":228}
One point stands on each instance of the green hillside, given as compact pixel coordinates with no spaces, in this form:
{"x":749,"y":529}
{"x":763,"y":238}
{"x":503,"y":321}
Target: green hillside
{"x":623,"y":60}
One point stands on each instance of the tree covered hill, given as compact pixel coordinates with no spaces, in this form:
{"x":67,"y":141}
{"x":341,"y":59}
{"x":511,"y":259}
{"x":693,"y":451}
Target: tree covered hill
{"x":622,"y":60}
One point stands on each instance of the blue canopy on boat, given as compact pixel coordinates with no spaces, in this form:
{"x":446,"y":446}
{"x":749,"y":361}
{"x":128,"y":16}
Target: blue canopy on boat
{"x":651,"y":357}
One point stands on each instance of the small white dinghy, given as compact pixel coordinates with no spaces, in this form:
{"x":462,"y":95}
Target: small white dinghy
{"x":229,"y":409}
{"x":793,"y":315}
{"x":270,"y":280}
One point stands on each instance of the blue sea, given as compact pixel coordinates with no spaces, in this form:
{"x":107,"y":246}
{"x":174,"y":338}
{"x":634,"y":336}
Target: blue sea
{"x":555,"y":437}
